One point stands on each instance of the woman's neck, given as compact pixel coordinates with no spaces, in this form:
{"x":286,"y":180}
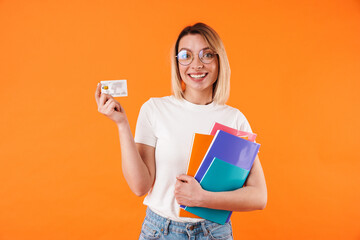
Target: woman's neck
{"x":199,"y":98}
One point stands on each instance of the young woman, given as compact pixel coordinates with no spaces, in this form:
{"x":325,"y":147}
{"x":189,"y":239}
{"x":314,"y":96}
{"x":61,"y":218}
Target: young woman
{"x":155,"y":162}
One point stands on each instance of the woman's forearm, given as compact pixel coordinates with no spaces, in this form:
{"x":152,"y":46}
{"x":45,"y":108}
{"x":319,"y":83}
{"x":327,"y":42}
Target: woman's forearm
{"x":253,"y":196}
{"x":248,"y":198}
{"x":136,"y":172}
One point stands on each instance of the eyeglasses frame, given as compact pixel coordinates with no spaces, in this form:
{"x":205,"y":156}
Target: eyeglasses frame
{"x":192,"y":56}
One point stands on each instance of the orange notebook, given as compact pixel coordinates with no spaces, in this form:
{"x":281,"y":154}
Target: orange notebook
{"x":200,"y":146}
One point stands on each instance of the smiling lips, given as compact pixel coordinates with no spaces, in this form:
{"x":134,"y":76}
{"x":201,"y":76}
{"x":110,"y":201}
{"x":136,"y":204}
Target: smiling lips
{"x":197,"y":76}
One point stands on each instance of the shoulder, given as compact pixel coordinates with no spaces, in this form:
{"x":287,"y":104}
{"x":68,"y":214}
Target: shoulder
{"x":156,"y":102}
{"x":234,"y":111}
{"x":240,"y":121}
{"x":240,"y":117}
{"x":152,"y":107}
{"x":161,"y":100}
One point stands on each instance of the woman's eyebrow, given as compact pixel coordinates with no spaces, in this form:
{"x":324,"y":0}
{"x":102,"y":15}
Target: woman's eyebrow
{"x":191,"y":51}
{"x":184,"y":49}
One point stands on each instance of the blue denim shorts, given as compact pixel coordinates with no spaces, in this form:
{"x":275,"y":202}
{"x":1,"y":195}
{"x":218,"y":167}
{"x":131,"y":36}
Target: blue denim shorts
{"x":157,"y":227}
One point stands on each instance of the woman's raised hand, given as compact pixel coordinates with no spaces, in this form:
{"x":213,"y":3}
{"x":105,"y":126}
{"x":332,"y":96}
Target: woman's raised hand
{"x":108,"y":106}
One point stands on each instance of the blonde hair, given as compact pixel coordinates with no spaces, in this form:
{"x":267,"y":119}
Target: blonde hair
{"x":221,"y":88}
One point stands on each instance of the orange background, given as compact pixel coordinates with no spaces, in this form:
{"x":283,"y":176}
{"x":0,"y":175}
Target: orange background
{"x":295,"y":75}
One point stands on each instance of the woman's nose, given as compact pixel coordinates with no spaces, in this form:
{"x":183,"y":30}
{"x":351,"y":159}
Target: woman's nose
{"x":197,"y":63}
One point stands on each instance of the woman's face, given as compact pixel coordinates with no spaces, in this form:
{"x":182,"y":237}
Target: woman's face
{"x":197,"y":75}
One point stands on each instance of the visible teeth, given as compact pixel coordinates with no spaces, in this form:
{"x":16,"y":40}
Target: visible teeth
{"x":197,"y":76}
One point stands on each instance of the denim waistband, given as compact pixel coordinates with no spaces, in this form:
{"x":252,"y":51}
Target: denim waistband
{"x":167,"y":225}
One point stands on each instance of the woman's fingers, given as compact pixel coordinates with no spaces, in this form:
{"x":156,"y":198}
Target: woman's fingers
{"x":97,"y":93}
{"x":110,"y":108}
{"x":105,"y":107}
{"x":110,"y":105}
{"x":118,"y":107}
{"x":106,"y":103}
{"x":103,"y":99}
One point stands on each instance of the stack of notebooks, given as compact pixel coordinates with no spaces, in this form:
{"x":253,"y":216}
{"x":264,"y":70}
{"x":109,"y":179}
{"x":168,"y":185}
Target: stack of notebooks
{"x":220,"y":162}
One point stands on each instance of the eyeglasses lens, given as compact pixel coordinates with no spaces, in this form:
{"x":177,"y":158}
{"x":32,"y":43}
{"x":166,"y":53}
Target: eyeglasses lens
{"x":207,"y":56}
{"x":185,"y":57}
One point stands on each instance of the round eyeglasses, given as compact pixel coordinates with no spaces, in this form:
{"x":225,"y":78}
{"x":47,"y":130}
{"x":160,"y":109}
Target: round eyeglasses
{"x":185,"y":57}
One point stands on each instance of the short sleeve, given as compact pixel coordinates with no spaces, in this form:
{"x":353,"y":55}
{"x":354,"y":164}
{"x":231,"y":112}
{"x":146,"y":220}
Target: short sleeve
{"x":242,"y":123}
{"x":144,"y":132}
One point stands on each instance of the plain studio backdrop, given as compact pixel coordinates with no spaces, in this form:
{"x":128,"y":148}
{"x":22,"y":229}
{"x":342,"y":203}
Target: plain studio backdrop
{"x":295,"y":75}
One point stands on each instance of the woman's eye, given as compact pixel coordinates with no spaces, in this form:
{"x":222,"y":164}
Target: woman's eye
{"x":209,"y":55}
{"x":184,"y":55}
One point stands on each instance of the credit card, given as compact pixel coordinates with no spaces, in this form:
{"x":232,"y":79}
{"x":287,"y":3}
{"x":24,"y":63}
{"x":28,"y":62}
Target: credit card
{"x":115,"y":88}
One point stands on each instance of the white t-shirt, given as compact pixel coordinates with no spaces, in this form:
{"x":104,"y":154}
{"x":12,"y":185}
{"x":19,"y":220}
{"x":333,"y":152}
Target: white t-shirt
{"x":168,"y":124}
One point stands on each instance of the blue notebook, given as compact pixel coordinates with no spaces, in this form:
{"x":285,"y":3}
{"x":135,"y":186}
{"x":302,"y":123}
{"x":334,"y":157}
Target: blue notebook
{"x":220,"y":176}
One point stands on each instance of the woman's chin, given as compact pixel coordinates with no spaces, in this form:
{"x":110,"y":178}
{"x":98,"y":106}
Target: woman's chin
{"x":198,"y":84}
{"x":199,"y":87}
